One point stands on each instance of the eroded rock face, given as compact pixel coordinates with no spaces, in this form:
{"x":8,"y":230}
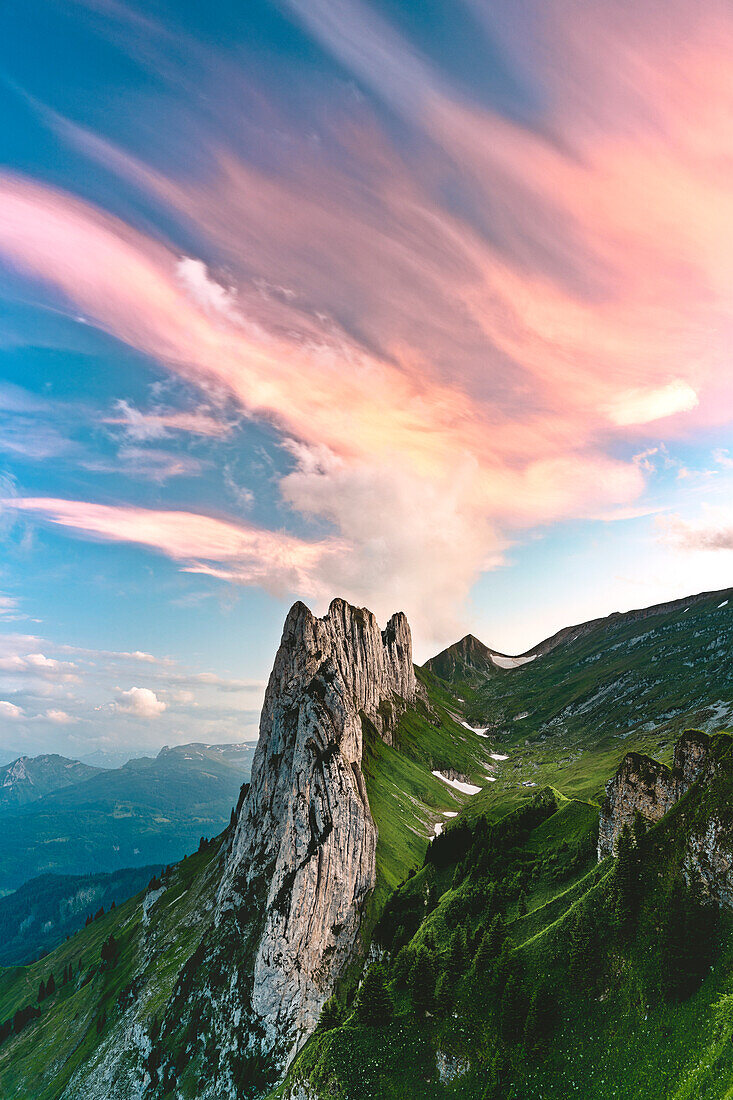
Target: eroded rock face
{"x":305,"y":838}
{"x":709,"y":861}
{"x":641,"y":784}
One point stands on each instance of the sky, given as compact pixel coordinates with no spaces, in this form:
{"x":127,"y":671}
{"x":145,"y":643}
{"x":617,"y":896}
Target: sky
{"x":426,"y":305}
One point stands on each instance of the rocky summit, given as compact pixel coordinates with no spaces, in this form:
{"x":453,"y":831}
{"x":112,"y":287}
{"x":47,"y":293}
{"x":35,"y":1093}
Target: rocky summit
{"x":305,"y":840}
{"x":489,"y":877}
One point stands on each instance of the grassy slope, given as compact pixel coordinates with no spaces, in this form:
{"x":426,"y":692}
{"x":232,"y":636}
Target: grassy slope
{"x":624,"y":685}
{"x":39,"y":1062}
{"x":405,"y":798}
{"x":620,"y":1042}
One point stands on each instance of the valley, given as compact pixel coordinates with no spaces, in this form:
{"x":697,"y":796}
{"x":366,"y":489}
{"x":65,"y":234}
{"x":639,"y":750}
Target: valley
{"x":408,"y":902}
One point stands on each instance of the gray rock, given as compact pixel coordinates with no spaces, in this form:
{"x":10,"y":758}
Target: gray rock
{"x":641,"y":784}
{"x":305,"y":829}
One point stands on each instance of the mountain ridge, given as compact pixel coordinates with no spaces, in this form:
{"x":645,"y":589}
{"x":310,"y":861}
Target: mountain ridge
{"x":470,"y":644}
{"x":454,"y":839}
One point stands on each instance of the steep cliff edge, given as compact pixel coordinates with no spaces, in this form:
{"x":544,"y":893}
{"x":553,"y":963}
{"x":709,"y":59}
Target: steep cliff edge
{"x":644,"y":785}
{"x":305,"y":827}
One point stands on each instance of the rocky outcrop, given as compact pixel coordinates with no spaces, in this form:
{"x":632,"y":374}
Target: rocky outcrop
{"x":708,"y":860}
{"x":303,"y":850}
{"x":643,"y":785}
{"x":451,"y":1066}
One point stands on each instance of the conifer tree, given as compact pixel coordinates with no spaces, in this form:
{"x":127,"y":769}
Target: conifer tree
{"x":687,"y":939}
{"x":445,"y":993}
{"x":540,"y":1021}
{"x":483,"y":957}
{"x":582,"y":949}
{"x":330,"y":1015}
{"x":374,"y":1005}
{"x":498,"y":1077}
{"x":50,"y":986}
{"x":639,"y":830}
{"x":42,"y":990}
{"x":512,"y":1010}
{"x":403,"y":965}
{"x":497,"y":935}
{"x":625,"y":882}
{"x":457,"y":954}
{"x":422,"y":982}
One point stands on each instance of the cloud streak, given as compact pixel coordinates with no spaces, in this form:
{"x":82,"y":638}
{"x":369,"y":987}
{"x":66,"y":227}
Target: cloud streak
{"x":455,"y":339}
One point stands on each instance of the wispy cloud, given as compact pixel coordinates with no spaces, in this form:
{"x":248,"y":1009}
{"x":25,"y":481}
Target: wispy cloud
{"x":202,"y":544}
{"x":477,"y":323}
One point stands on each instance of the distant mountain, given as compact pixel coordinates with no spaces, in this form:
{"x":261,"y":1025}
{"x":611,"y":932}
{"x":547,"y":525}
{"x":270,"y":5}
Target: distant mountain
{"x":30,"y":777}
{"x":462,"y":660}
{"x":106,"y":758}
{"x":469,"y":660}
{"x":148,"y":811}
{"x":42,"y":912}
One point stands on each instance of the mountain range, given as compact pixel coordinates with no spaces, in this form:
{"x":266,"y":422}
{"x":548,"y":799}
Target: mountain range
{"x":489,"y":877}
{"x":62,"y":816}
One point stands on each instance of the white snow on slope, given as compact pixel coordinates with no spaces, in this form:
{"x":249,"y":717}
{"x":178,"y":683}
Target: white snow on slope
{"x":722,"y":604}
{"x":511,"y":662}
{"x":491,"y":778}
{"x":464,"y":788}
{"x":497,"y":756}
{"x":480,"y":731}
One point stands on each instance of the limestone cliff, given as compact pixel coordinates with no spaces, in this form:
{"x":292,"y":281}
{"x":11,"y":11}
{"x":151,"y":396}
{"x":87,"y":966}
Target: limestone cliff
{"x":305,"y":825}
{"x":641,"y":784}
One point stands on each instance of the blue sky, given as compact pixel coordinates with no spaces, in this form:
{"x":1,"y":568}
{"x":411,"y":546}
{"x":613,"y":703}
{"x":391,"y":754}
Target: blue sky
{"x":425,"y":305}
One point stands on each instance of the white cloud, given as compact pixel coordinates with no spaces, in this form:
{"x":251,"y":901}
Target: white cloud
{"x":415,"y":544}
{"x":37,"y":664}
{"x":60,"y":718}
{"x":723,"y":458}
{"x":211,"y":296}
{"x":643,"y":406}
{"x":9,"y":710}
{"x":10,"y":609}
{"x":140,"y":702}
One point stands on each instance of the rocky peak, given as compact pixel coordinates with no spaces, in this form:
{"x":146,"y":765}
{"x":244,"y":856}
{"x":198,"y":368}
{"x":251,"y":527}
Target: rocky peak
{"x":462,"y":660}
{"x":303,"y":849}
{"x":641,"y":784}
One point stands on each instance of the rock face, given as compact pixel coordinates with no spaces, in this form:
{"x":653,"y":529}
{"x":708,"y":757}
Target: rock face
{"x":709,"y":860}
{"x":644,"y":785}
{"x":305,"y":841}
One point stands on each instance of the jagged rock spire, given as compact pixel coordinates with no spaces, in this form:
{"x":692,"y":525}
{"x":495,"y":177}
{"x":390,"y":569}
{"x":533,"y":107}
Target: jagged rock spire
{"x":305,"y":834}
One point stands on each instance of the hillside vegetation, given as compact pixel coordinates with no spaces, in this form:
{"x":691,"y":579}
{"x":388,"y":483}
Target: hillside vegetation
{"x":504,"y":961}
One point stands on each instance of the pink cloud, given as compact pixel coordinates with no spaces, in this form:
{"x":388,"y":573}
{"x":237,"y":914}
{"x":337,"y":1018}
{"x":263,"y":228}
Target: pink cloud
{"x":245,"y":554}
{"x":494,"y":375}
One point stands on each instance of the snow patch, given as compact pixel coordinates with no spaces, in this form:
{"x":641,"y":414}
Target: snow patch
{"x":497,"y":756}
{"x":464,"y":788}
{"x":511,"y":662}
{"x":722,"y":604}
{"x":491,"y":778}
{"x":480,"y":731}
